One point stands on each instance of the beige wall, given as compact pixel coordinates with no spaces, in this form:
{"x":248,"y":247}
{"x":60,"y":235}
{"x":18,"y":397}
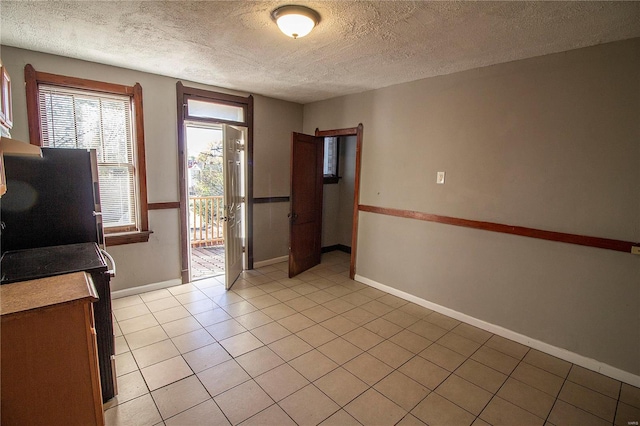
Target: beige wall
{"x":551,"y":143}
{"x":159,"y":259}
{"x":330,"y":211}
{"x":274,"y":121}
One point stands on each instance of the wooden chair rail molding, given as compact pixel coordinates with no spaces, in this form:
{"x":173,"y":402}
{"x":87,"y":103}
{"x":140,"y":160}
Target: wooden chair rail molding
{"x":604,"y":243}
{"x":164,"y":205}
{"x":176,"y":204}
{"x":266,"y":200}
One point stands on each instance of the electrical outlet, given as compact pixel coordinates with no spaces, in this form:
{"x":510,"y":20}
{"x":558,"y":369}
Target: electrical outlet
{"x":440,"y":178}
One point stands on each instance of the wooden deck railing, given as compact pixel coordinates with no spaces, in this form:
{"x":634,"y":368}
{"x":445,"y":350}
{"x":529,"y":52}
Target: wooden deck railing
{"x":205,"y":221}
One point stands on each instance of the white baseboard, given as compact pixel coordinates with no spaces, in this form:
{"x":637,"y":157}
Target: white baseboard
{"x":144,"y":288}
{"x":588,"y":363}
{"x":270,"y":261}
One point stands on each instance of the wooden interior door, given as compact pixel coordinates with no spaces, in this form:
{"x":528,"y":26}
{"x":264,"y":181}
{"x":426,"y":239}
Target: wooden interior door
{"x":233,"y":143}
{"x":305,"y":218}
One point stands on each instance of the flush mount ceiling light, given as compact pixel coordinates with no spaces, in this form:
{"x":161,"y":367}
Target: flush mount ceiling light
{"x":295,"y":21}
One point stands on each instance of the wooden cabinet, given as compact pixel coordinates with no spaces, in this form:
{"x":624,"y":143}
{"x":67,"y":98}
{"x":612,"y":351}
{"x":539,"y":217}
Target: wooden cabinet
{"x":6,"y":108}
{"x":49,"y":361}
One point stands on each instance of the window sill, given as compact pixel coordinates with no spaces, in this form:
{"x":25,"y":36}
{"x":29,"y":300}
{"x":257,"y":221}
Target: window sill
{"x":330,"y":179}
{"x":127,"y":238}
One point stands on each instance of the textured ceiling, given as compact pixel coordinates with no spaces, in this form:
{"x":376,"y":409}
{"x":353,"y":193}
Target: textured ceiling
{"x":358,"y":45}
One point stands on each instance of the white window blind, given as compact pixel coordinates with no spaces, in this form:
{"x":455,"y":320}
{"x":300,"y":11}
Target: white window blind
{"x":92,"y":120}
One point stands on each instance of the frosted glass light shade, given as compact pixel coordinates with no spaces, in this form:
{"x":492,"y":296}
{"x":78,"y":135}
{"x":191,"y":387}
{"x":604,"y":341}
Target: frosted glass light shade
{"x":295,"y":21}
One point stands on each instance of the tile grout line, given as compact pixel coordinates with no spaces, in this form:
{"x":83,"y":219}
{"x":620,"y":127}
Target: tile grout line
{"x":508,"y":376}
{"x":453,"y":372}
{"x":358,"y":325}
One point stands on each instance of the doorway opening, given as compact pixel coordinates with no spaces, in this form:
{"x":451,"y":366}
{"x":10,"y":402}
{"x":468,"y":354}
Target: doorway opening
{"x":311,"y":172}
{"x":352,"y":142}
{"x":338,"y":192}
{"x":214,"y":157}
{"x":205,"y":187}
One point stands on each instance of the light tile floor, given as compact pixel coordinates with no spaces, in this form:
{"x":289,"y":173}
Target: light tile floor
{"x":323,"y":349}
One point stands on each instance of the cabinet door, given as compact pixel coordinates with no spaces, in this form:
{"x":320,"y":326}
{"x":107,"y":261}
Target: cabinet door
{"x":49,"y":355}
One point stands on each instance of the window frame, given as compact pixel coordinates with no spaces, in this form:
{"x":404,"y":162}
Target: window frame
{"x":34,"y":78}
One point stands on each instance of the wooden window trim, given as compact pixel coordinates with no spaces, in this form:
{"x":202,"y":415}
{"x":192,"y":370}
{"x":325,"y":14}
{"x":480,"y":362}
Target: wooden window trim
{"x":33,"y":78}
{"x":127,"y":238}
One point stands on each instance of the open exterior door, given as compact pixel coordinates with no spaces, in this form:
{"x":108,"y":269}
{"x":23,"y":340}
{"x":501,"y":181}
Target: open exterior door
{"x":305,"y":229}
{"x":233,"y":142}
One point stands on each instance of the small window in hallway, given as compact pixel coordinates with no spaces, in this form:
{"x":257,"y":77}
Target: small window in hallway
{"x":331,"y":155}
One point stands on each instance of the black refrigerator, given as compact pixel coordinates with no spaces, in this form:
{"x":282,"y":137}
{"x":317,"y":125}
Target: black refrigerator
{"x":51,"y":224}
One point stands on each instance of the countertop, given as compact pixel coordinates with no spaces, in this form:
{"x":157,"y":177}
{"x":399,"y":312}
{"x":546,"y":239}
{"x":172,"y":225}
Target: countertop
{"x":35,"y":294}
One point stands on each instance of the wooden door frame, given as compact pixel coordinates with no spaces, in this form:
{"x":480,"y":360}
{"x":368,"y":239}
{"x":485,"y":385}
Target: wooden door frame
{"x":246,"y":103}
{"x":357,"y":132}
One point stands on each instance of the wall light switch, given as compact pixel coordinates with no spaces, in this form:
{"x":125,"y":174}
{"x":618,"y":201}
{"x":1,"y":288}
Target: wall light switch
{"x":440,"y":178}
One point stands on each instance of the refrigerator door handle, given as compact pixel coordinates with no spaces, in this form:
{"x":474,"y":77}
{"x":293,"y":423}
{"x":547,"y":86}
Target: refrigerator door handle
{"x":111,"y":272}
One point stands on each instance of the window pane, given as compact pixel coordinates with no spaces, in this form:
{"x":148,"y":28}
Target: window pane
{"x":115,"y":124}
{"x":87,"y":116}
{"x":214,"y":110}
{"x":62,"y":131}
{"x":91,"y":120}
{"x":330,"y":156}
{"x":117,"y":189}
